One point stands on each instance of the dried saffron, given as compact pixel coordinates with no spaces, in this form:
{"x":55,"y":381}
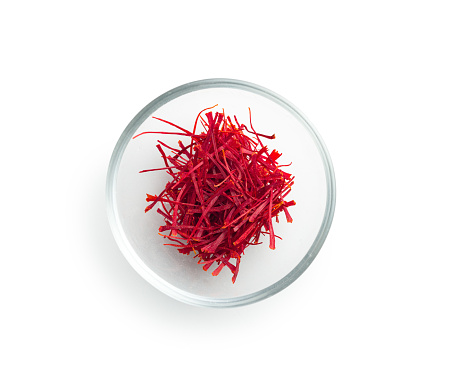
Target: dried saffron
{"x":224,"y":191}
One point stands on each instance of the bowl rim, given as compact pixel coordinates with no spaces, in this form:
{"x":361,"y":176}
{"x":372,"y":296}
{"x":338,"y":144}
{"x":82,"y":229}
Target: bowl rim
{"x":153,"y":278}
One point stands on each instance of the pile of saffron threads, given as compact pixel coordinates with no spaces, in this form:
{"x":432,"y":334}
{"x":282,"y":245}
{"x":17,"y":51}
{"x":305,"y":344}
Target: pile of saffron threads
{"x":224,"y":191}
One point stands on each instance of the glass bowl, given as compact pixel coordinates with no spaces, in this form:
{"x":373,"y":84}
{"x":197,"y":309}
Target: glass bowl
{"x":263,"y":272}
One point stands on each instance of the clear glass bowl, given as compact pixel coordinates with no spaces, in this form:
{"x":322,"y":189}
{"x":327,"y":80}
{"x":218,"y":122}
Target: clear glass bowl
{"x":263,"y":272}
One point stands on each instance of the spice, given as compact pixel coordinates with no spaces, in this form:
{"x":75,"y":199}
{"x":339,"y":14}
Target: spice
{"x":225,"y":189}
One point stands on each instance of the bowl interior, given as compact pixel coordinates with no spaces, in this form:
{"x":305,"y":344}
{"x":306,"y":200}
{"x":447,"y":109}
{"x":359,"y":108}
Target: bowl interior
{"x":260,"y":267}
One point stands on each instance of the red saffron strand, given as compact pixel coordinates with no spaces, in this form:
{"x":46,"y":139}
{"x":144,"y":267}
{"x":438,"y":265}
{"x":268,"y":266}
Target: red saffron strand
{"x":225,"y":190}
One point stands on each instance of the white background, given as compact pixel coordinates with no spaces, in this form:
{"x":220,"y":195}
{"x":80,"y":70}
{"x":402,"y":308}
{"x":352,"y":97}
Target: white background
{"x":372,"y":76}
